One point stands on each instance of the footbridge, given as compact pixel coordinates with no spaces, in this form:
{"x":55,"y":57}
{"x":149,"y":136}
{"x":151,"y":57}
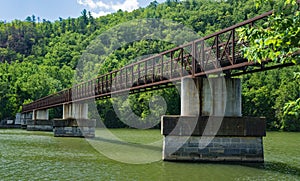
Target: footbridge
{"x":210,"y":106}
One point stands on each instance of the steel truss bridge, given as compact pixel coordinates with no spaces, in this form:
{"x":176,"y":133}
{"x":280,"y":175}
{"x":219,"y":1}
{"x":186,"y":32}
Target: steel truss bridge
{"x":218,"y":53}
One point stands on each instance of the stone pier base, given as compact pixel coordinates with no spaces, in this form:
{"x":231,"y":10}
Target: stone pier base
{"x":39,"y":125}
{"x":24,"y":126}
{"x":236,"y":139}
{"x":231,"y":149}
{"x":24,"y":119}
{"x":74,"y":128}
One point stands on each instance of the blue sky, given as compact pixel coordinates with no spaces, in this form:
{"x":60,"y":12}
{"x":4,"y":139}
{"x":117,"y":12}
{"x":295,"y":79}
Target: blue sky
{"x":53,"y":9}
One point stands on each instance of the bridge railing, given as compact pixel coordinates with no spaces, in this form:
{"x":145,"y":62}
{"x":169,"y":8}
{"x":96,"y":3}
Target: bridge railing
{"x":212,"y":54}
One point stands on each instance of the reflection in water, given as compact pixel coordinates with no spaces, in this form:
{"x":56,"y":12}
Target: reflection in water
{"x":118,"y":142}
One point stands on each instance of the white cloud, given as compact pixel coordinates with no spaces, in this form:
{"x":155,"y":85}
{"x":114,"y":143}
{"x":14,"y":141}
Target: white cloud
{"x":101,"y":13}
{"x":128,"y":5}
{"x":89,"y":3}
{"x":106,"y":8}
{"x":101,"y":4}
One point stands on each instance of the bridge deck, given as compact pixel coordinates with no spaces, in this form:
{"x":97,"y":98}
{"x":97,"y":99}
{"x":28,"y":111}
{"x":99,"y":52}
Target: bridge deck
{"x":214,"y":54}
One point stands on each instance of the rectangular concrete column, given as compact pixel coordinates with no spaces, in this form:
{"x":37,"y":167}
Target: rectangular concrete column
{"x":28,"y":116}
{"x":221,"y":97}
{"x":190,"y":96}
{"x":81,"y":111}
{"x":212,"y":96}
{"x":75,"y":111}
{"x":67,"y":111}
{"x":25,"y":118}
{"x":23,"y":121}
{"x":18,"y":119}
{"x":41,"y":115}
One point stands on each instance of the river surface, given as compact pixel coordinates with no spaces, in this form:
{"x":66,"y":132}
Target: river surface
{"x":131,"y":155}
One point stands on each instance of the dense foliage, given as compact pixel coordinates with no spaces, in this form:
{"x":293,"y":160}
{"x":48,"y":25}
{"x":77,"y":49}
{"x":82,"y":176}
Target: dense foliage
{"x":39,"y":57}
{"x":278,"y":40}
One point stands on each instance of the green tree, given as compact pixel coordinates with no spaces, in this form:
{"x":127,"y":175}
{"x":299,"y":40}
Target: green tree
{"x":291,"y":116}
{"x":278,"y":39}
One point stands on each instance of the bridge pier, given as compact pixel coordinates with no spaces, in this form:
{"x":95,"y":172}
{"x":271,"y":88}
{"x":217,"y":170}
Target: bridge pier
{"x":40,"y":121}
{"x":211,"y":127}
{"x":24,"y":118}
{"x":75,"y":122}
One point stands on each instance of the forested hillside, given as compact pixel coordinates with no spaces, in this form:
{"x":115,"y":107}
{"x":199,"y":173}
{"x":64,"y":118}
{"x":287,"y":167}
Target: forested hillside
{"x":40,"y":57}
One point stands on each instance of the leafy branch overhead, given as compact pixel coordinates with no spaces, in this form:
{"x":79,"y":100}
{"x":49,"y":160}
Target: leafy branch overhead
{"x":278,"y":39}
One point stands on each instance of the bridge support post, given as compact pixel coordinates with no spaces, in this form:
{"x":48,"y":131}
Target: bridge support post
{"x":77,"y":111}
{"x":24,"y":118}
{"x":75,"y":122}
{"x":40,"y":121}
{"x":211,"y":127}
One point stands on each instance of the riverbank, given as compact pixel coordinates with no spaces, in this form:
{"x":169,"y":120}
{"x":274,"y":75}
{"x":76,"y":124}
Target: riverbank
{"x":40,"y":156}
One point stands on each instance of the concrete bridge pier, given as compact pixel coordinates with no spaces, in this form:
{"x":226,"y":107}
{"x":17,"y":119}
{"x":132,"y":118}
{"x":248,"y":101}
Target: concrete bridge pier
{"x":211,"y":127}
{"x":24,"y":118}
{"x":40,"y":121}
{"x":75,"y":122}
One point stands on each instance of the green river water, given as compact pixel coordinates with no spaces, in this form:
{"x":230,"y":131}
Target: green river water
{"x":40,"y":156}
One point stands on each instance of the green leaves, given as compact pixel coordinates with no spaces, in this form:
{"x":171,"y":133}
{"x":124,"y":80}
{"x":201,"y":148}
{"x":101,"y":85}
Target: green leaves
{"x":272,"y":41}
{"x":291,"y":116}
{"x":266,"y":93}
{"x":278,"y":39}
